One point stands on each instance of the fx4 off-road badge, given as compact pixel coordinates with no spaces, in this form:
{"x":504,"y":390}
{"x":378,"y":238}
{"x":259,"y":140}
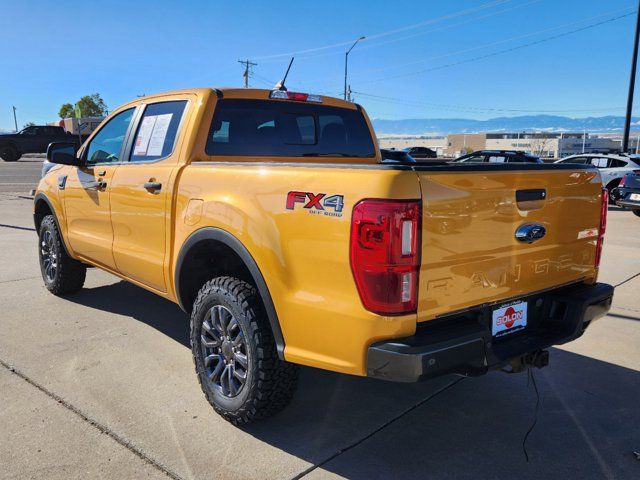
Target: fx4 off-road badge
{"x":317,"y":203}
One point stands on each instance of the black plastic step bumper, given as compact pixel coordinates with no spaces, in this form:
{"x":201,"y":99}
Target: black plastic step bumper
{"x":629,"y":204}
{"x":462,"y":343}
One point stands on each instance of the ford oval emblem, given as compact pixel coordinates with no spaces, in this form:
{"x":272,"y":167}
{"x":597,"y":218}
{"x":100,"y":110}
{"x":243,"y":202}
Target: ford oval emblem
{"x":530,"y":232}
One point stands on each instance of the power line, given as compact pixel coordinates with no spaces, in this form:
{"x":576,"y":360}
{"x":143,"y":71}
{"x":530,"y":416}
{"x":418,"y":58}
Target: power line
{"x":421,"y":104}
{"x":247,"y":70}
{"x":431,"y":21}
{"x":429,"y":32}
{"x":501,"y":52}
{"x":499,"y":42}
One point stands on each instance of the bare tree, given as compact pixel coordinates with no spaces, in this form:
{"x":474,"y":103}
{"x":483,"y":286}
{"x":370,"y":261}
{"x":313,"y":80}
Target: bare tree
{"x":540,"y":144}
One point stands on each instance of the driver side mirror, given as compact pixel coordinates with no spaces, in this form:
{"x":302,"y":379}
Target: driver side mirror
{"x":63,"y":153}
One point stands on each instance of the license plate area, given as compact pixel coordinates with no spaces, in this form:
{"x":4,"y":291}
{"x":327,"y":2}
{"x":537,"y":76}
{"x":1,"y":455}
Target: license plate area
{"x":509,"y":318}
{"x":635,"y":197}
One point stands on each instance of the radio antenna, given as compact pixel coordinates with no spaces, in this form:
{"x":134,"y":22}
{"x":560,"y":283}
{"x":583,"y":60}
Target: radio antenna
{"x":280,"y":85}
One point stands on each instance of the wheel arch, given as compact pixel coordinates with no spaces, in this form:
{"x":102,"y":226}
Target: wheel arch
{"x":614,"y":182}
{"x":237,"y":261}
{"x":42,"y":207}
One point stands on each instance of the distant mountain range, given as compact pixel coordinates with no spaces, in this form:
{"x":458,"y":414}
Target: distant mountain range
{"x":526,"y":123}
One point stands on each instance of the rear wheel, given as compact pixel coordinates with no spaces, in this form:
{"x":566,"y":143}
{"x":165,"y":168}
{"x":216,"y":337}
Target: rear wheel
{"x":9,"y":153}
{"x":636,"y":213}
{"x":61,"y":273}
{"x":235,"y":355}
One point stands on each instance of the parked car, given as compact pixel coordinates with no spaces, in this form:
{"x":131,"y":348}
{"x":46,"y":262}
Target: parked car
{"x":612,"y":166}
{"x":629,"y":192}
{"x":498,"y":156}
{"x":421,"y":152}
{"x":34,"y":139}
{"x":396,"y":156}
{"x":270,"y":217}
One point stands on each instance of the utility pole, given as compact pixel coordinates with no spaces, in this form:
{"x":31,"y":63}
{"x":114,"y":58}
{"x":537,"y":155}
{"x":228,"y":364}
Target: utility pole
{"x":15,"y":120}
{"x":346,"y":61}
{"x":632,"y":82}
{"x":247,"y":70}
{"x":584,"y":138}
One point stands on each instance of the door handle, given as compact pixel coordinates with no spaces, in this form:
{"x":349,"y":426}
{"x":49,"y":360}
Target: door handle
{"x":153,"y":186}
{"x":98,"y":185}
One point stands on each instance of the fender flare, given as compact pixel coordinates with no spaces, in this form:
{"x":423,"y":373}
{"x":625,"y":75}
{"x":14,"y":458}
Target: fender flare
{"x":42,"y":197}
{"x":224,"y":237}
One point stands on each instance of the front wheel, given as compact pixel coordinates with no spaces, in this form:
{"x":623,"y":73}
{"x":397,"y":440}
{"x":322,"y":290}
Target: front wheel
{"x":61,"y":273}
{"x":235,"y":354}
{"x":636,"y":213}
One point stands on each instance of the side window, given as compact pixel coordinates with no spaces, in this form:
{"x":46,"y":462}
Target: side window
{"x":107,"y":143}
{"x":599,"y":162}
{"x":474,"y":159}
{"x":578,"y":160}
{"x":498,"y":159}
{"x":31,"y":131}
{"x":615,"y":163}
{"x":157,"y":132}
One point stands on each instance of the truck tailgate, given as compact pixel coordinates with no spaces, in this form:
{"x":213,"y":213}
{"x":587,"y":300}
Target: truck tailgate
{"x":470,"y":254}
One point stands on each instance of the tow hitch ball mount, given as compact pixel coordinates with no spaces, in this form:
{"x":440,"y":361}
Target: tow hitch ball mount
{"x":537,"y":359}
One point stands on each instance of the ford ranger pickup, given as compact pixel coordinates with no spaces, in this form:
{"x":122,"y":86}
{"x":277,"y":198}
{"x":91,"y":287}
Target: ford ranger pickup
{"x":272,"y":219}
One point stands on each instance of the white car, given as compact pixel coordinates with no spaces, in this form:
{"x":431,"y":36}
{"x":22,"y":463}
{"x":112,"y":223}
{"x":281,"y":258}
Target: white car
{"x":612,"y":166}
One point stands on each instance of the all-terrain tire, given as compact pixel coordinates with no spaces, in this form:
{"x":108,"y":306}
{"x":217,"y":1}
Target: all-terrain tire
{"x":10,"y":153}
{"x":62,"y":274}
{"x":269,"y":382}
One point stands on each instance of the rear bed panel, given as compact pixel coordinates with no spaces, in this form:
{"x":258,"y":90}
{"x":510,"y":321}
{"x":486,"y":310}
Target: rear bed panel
{"x":470,"y":255}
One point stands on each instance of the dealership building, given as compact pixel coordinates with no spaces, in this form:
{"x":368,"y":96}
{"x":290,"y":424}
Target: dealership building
{"x":542,"y":144}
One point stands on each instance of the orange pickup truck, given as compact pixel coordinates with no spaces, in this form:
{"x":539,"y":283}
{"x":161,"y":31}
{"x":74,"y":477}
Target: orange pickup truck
{"x":271,"y":217}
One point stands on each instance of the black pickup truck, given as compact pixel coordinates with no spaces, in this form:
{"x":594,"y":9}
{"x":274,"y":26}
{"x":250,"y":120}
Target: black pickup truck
{"x":34,"y":139}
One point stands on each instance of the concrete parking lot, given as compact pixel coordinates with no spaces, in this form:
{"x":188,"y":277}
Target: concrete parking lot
{"x":101,"y":385}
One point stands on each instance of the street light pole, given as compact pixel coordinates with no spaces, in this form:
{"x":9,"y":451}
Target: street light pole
{"x":346,"y":60}
{"x":632,"y":82}
{"x":15,"y":120}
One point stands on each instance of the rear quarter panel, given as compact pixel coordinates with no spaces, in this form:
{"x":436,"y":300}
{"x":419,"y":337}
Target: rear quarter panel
{"x":303,"y":255}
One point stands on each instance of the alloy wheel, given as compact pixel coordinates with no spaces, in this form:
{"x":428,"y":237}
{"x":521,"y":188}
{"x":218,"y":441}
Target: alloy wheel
{"x":49,"y":256}
{"x":224,"y":351}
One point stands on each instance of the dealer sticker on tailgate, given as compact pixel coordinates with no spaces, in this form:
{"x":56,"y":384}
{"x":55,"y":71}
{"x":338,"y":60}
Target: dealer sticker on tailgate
{"x":509,"y":319}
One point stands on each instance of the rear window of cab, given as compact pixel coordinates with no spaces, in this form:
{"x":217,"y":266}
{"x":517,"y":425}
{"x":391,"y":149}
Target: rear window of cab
{"x":272,"y":128}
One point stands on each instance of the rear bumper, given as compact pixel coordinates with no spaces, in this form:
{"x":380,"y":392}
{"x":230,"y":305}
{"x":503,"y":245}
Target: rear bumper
{"x":462,"y":343}
{"x":628,"y":204}
{"x":624,"y":201}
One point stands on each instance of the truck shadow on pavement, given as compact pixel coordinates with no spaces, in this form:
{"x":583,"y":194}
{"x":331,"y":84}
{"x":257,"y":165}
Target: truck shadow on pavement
{"x":360,"y":428}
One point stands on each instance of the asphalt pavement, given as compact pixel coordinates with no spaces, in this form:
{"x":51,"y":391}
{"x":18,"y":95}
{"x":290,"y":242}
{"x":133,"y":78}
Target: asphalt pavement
{"x":101,"y":385}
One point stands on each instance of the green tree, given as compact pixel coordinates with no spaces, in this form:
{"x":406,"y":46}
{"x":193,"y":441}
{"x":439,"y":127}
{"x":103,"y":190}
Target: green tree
{"x":66,"y":110}
{"x":90,"y":106}
{"x":29,"y":124}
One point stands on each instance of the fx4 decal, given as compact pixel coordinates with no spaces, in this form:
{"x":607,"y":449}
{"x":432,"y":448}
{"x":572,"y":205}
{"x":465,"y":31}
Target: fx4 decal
{"x":317,"y":203}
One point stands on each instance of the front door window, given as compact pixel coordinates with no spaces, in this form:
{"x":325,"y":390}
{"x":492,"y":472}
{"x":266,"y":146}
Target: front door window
{"x":106,"y":145}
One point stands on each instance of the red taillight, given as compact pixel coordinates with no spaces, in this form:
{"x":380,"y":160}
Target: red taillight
{"x":385,"y":254}
{"x":296,"y":96}
{"x":603,"y":225}
{"x":623,"y":180}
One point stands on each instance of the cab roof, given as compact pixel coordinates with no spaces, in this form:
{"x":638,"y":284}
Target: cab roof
{"x":240,"y":93}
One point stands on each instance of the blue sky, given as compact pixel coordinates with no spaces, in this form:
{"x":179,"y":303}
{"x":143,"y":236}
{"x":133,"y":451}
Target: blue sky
{"x":421,"y":59}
